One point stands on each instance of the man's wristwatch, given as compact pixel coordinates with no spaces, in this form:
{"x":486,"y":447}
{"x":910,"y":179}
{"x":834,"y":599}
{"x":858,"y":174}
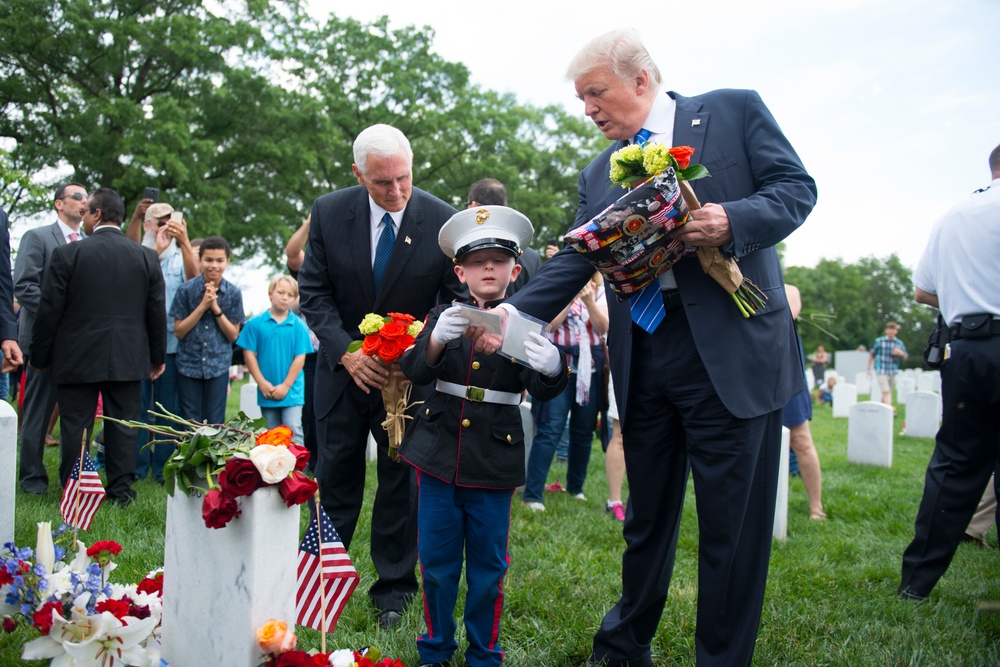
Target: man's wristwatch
{"x":218,"y":314}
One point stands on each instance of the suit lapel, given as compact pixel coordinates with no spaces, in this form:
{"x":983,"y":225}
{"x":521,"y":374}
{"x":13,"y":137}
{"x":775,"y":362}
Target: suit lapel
{"x":406,"y":242}
{"x":360,"y":233}
{"x":57,"y":234}
{"x":690,"y":125}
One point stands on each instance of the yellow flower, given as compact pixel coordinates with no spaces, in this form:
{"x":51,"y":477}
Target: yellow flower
{"x":372,"y":323}
{"x":655,"y":159}
{"x":415,"y":328}
{"x":617,"y":173}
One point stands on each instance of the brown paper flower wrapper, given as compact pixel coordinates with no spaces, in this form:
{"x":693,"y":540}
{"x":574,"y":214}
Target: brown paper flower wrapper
{"x":396,"y":399}
{"x":724,"y":270}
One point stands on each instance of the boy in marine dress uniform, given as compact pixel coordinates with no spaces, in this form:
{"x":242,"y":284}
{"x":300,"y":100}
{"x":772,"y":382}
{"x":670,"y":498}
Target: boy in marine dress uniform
{"x":466,"y":441}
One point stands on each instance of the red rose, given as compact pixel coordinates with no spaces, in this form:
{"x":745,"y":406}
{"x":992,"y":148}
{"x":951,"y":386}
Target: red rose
{"x":402,"y":318}
{"x":392,"y":330}
{"x":240,"y":477}
{"x":682,"y":154}
{"x":370,"y":344}
{"x":151,"y":585}
{"x":118,"y":608}
{"x":297,"y":489}
{"x":294,"y":659}
{"x":218,"y":509}
{"x":9,"y":624}
{"x":279,"y":435}
{"x":42,"y":619}
{"x":405,"y":341}
{"x":301,"y":456}
{"x":321,"y":659}
{"x":390,"y":350}
{"x":109,"y":546}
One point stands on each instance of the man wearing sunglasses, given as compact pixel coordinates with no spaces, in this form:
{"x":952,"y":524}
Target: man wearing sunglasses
{"x":33,"y":256}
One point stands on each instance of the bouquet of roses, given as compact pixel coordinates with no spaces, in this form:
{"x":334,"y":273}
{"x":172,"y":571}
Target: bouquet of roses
{"x":278,"y":643}
{"x":634,"y":164}
{"x":81,"y":618}
{"x":386,"y":339}
{"x":226,"y":461}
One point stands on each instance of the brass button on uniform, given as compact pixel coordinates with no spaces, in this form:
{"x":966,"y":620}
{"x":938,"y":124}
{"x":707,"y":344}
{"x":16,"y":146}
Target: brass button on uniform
{"x":509,"y":439}
{"x":466,"y":423}
{"x":427,"y":411}
{"x":475,"y":365}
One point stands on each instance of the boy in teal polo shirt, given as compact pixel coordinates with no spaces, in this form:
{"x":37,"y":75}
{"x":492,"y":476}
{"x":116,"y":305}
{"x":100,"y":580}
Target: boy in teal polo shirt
{"x":275,"y":344}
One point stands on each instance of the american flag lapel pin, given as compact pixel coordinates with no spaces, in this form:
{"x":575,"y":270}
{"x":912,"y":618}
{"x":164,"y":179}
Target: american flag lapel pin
{"x":696,"y":122}
{"x":407,"y":240}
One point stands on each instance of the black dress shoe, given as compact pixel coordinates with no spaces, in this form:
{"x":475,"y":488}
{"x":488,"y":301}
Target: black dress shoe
{"x":124,"y":499}
{"x":910,"y":594}
{"x":389,"y":619}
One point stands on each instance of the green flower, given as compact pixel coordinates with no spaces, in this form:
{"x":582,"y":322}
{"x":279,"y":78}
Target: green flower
{"x":371,"y":324}
{"x":415,"y":328}
{"x":656,"y":158}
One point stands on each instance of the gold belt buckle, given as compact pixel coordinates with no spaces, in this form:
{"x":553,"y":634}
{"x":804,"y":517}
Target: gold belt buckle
{"x":475,"y":394}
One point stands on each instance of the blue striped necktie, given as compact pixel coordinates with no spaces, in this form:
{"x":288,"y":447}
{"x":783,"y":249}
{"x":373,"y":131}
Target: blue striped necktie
{"x":383,"y":251}
{"x":647,"y":306}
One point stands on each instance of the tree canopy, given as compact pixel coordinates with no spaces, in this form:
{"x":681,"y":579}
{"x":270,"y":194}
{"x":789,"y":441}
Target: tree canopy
{"x":846,"y":305}
{"x":243,"y":113}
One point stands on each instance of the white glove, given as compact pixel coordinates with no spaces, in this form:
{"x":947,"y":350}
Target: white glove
{"x":450,"y":325}
{"x":543,"y":356}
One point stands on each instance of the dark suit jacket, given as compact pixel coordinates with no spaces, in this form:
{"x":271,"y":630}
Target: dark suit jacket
{"x":760,"y":181}
{"x":531,"y":264}
{"x":33,"y":256}
{"x":8,"y":323}
{"x":336,"y":282}
{"x":102,"y":315}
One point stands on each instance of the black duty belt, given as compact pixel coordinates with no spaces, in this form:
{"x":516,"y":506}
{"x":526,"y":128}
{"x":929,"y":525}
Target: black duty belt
{"x":975,"y":326}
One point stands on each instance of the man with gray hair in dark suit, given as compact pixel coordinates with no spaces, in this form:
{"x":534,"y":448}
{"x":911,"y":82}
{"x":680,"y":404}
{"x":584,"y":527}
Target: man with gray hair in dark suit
{"x":373,"y":248}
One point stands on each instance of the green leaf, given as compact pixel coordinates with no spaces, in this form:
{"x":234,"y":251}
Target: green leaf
{"x":354,"y":346}
{"x":693,"y":173}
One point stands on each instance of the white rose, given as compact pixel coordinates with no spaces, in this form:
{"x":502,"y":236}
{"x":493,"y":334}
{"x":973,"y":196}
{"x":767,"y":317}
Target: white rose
{"x":342,"y":658}
{"x":273,"y":462}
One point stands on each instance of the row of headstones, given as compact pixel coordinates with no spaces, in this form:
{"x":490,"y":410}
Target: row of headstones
{"x":906,"y":382}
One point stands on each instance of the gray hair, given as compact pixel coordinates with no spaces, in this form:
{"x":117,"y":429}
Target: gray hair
{"x":620,"y":49}
{"x":383,"y":141}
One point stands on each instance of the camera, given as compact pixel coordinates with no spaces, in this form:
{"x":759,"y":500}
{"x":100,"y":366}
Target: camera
{"x":152,"y":193}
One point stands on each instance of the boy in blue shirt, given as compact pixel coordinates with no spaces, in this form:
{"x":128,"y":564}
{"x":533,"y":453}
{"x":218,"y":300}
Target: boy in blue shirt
{"x":208,"y":311}
{"x":466,"y":441}
{"x":275,"y":344}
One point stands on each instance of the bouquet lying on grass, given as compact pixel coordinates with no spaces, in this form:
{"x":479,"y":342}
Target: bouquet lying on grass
{"x":386,"y":339}
{"x":82,"y":619}
{"x":632,"y":165}
{"x":278,"y":642}
{"x":226,"y":461}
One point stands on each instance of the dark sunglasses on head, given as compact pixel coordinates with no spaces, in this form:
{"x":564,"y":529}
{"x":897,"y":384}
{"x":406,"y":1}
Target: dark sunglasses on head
{"x":76,"y":195}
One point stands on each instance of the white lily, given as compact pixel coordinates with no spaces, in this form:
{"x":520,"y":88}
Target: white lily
{"x":99,"y":640}
{"x":45,"y":550}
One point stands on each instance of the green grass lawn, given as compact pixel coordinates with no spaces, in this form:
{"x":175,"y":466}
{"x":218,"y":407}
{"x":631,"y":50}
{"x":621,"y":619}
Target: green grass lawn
{"x":831,"y":591}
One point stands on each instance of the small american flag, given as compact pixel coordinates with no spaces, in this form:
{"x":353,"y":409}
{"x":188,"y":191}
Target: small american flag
{"x":83,"y":494}
{"x":338,"y":575}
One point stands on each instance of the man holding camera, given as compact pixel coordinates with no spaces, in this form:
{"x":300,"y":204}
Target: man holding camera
{"x":958,"y":273}
{"x":165,"y":231}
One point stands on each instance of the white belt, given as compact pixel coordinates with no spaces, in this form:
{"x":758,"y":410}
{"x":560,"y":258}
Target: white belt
{"x":478,"y":394}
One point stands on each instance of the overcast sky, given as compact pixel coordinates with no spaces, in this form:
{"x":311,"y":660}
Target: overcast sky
{"x":893,"y":105}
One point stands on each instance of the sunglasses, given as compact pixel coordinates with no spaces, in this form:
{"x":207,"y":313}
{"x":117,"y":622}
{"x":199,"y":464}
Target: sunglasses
{"x":76,"y":195}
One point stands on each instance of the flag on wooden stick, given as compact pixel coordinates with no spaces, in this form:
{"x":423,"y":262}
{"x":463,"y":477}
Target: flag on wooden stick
{"x":326,"y":577}
{"x":83,"y":494}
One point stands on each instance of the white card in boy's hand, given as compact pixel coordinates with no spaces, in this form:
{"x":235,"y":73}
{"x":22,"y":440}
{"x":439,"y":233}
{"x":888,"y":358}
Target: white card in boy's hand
{"x":515,"y":334}
{"x":478,"y":317}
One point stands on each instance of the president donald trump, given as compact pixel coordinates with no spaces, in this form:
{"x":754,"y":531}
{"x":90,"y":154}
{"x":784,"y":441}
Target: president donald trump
{"x":699,"y":387}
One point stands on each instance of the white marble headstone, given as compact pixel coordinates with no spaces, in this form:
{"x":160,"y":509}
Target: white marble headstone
{"x":863,"y":381}
{"x":780,"y":531}
{"x":850,"y":362}
{"x":371,"y":451}
{"x":935,"y":380}
{"x":844,"y":396}
{"x":905,"y":386}
{"x":869,"y":434}
{"x":829,"y":373}
{"x":923,"y":412}
{"x":810,"y":378}
{"x":8,"y":480}
{"x":925,"y":382}
{"x":220,"y":585}
{"x":248,"y":400}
